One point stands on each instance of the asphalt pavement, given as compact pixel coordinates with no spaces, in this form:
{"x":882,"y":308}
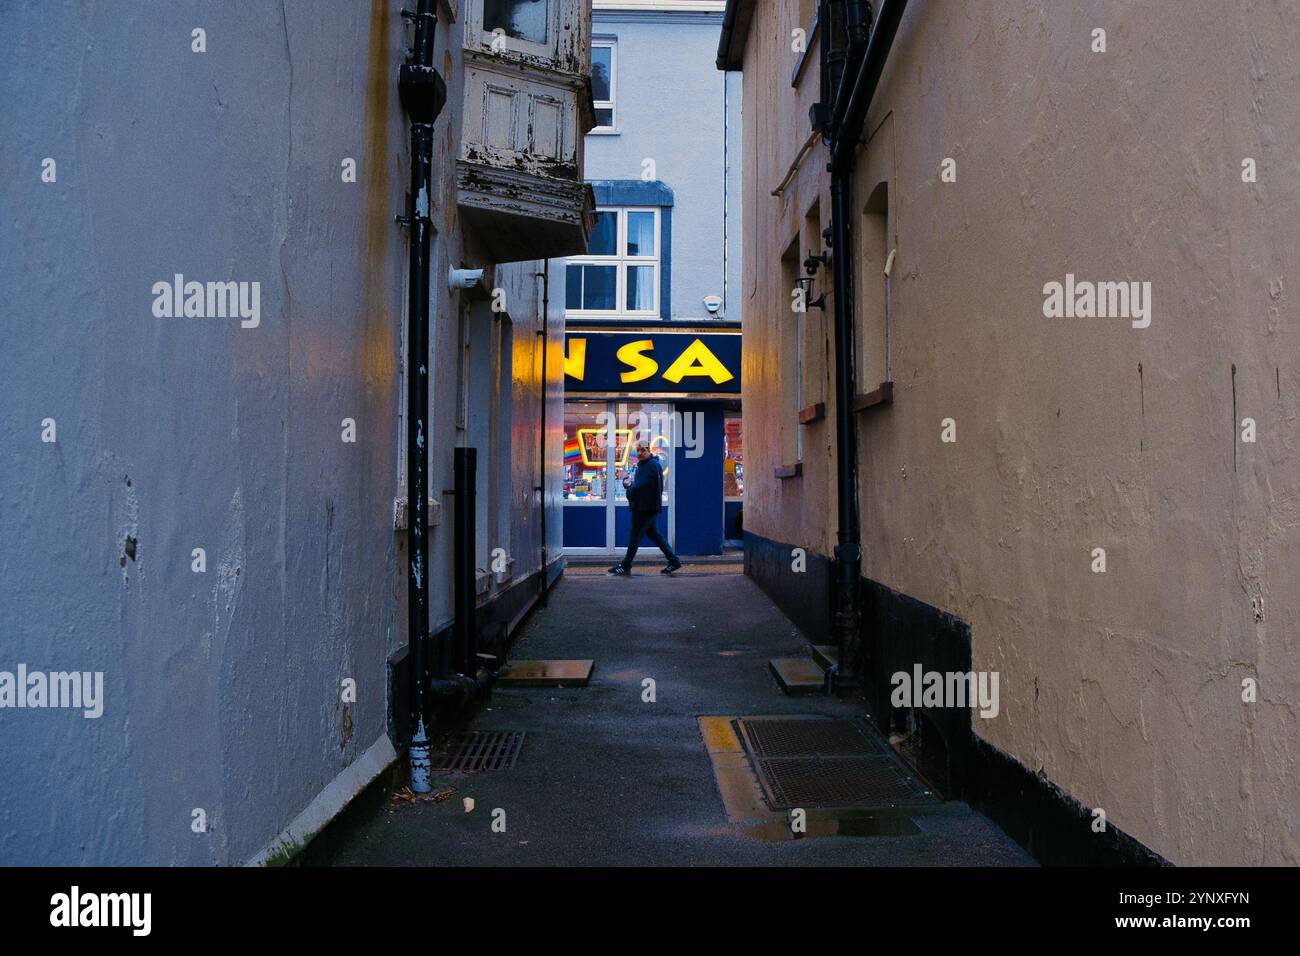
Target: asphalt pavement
{"x":606,"y":777}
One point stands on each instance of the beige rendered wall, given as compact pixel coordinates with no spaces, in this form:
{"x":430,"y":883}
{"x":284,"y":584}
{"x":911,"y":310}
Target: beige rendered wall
{"x":1124,"y":688}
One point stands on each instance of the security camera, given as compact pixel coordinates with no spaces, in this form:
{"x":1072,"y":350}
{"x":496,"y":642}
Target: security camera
{"x":713,"y":303}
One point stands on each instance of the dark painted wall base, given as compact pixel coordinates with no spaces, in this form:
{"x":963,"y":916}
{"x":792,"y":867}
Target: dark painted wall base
{"x":1049,"y":823}
{"x":498,"y":620}
{"x":805,"y":596}
{"x":899,"y":632}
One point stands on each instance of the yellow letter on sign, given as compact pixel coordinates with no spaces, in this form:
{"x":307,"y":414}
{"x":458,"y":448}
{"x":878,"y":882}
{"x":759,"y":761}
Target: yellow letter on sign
{"x":643,"y":366}
{"x":698,"y":360}
{"x":575,"y":360}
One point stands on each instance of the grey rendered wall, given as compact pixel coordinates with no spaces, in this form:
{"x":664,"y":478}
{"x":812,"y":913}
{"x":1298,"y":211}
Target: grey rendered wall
{"x":222,"y":688}
{"x":553,"y":479}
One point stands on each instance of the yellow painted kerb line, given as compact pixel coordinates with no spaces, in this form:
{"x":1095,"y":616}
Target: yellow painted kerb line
{"x":741,"y":794}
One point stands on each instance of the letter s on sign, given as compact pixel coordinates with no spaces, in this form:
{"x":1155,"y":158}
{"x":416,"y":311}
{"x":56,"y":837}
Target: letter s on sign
{"x":642,"y":366}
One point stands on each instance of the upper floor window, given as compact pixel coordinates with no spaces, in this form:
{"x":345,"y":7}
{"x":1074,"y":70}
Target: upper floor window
{"x":717,"y":6}
{"x":871,"y":292}
{"x":602,"y":84}
{"x":619,"y":275}
{"x":521,"y":19}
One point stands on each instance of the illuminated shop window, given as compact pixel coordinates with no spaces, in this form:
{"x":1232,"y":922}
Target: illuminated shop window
{"x":586,"y":451}
{"x":733,"y":459}
{"x":637,"y":420}
{"x":589,"y":455}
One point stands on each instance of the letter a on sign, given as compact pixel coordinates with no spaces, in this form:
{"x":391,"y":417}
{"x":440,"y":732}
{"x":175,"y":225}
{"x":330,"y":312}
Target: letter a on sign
{"x":697,"y":360}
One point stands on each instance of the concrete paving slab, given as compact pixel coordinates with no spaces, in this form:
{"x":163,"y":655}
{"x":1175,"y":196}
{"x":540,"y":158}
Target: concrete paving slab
{"x":798,"y":675}
{"x":546,"y":674}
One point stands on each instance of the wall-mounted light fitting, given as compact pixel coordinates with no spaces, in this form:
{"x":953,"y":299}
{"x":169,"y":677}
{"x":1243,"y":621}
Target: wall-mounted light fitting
{"x":805,"y":282}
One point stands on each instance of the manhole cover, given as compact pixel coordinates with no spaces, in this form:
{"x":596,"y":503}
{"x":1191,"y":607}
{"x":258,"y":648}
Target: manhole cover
{"x":826,"y":762}
{"x":809,"y":736}
{"x":476,"y":752}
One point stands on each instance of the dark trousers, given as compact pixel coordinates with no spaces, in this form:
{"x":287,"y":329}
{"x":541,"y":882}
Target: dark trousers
{"x":643,"y":522}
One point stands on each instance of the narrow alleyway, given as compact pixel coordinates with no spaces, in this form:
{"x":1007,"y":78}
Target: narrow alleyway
{"x":604,"y":777}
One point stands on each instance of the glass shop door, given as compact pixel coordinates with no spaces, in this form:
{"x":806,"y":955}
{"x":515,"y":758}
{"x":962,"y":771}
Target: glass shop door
{"x":599,"y":452}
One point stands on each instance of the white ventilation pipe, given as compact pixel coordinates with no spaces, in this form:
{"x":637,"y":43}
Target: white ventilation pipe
{"x":464,"y":278}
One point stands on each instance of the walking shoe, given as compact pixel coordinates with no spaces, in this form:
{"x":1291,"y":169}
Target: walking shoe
{"x":618,"y":569}
{"x":671,"y":568}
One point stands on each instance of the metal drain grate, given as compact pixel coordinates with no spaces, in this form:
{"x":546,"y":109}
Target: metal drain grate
{"x":826,"y":762}
{"x":476,"y":752}
{"x":810,"y":737}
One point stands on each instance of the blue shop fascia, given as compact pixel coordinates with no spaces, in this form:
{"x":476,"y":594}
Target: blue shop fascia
{"x":676,"y":385}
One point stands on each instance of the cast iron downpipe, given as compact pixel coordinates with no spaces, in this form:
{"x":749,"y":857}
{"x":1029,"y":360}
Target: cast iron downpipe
{"x":464,"y":570}
{"x":545,"y":276}
{"x":848,"y":116}
{"x":466,"y":680}
{"x":423,"y":94}
{"x":866,"y":78}
{"x":848,"y":550}
{"x":857,"y":26}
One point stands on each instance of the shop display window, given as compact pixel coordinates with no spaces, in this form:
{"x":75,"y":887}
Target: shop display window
{"x":586,"y":452}
{"x":733,"y":459}
{"x":654,"y":423}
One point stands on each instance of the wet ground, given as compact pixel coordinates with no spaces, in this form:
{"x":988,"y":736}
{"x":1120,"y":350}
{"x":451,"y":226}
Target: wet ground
{"x":606,"y":778}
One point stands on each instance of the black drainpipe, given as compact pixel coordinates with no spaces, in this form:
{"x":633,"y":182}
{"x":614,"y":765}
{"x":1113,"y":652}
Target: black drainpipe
{"x":848,"y":117}
{"x":468,"y":678}
{"x":865,"y":80}
{"x":857,"y":26}
{"x":464,"y":544}
{"x":545,"y":276}
{"x":423,"y":94}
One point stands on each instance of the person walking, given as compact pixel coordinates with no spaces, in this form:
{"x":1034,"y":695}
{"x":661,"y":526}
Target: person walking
{"x":644,"y":500}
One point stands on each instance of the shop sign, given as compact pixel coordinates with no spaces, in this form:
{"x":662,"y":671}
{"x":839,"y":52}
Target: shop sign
{"x":652,"y":362}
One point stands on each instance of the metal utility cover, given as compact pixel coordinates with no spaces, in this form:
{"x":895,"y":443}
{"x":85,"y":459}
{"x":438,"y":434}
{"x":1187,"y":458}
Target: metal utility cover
{"x":826,"y":762}
{"x":477,"y":752}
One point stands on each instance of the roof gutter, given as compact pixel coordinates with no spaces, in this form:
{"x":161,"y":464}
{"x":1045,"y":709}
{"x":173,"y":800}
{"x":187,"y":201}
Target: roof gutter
{"x":848,"y":132}
{"x":736,"y":19}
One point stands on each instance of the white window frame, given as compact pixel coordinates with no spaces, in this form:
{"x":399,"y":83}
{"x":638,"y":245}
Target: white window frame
{"x":612,"y":44}
{"x":622,"y":262}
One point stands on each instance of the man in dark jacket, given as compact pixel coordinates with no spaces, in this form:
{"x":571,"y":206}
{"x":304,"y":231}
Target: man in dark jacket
{"x":644,"y":500}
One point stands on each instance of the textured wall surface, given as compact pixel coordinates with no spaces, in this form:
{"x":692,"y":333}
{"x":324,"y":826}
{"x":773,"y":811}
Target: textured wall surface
{"x":671,"y":108}
{"x":222,"y":688}
{"x":1124,"y":688}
